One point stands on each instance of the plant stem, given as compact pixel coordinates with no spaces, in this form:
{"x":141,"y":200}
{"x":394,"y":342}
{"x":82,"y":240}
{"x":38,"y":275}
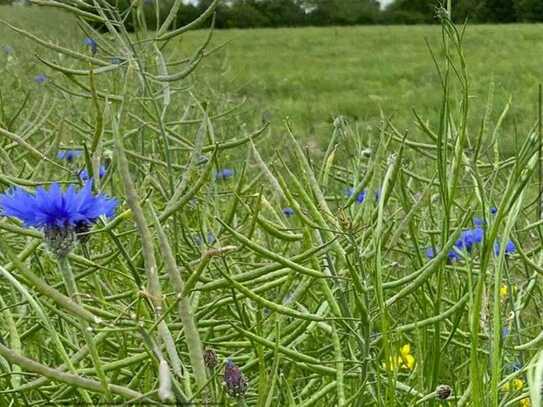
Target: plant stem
{"x":71,"y":288}
{"x":242,"y":402}
{"x":192,"y":336}
{"x":69,"y":378}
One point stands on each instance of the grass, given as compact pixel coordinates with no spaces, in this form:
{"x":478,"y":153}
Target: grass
{"x":384,"y":296}
{"x":312,"y":75}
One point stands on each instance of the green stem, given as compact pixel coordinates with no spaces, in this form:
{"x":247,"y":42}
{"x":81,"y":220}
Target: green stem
{"x":69,"y":378}
{"x":71,"y":288}
{"x":242,"y":402}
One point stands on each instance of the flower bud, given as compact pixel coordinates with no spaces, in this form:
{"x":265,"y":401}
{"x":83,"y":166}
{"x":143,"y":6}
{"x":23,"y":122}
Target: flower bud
{"x":235,"y":382}
{"x":60,"y":241}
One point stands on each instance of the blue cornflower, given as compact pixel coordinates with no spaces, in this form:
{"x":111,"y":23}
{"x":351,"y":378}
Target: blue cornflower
{"x":472,"y":237}
{"x":460,"y":242}
{"x":430,"y":252}
{"x":510,"y":248}
{"x":506,"y":331}
{"x":514,"y":366}
{"x":477,"y":235}
{"x":84,"y":174}
{"x":493,"y":210}
{"x":478,"y":222}
{"x":62,"y":215}
{"x":469,"y":238}
{"x":91,"y":43}
{"x":8,"y":49}
{"x":288,"y":212}
{"x":224,"y":174}
{"x":40,"y":79}
{"x":68,"y":155}
{"x":361,"y":196}
{"x":452,"y":256}
{"x":197,"y":239}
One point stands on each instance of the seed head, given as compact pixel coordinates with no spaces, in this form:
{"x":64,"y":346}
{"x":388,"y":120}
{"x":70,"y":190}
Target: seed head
{"x":366,"y":153}
{"x":443,"y":392}
{"x":210,"y":358}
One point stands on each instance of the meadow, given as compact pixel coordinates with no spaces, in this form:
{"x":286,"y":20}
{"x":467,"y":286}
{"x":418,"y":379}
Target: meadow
{"x":312,"y":75}
{"x":316,"y":217}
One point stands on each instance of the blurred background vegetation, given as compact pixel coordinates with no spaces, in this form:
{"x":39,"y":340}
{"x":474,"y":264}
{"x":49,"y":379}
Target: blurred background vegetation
{"x":317,"y":73}
{"x":290,"y":13}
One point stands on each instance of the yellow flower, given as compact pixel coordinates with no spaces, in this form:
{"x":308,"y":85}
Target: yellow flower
{"x":405,"y":349}
{"x":525,"y":403}
{"x":407,"y":358}
{"x":515,"y":384}
{"x":518,"y":384}
{"x":504,"y":292}
{"x":405,"y":361}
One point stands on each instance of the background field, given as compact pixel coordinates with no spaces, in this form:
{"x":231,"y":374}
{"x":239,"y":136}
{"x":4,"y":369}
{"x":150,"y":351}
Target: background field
{"x":313,"y":74}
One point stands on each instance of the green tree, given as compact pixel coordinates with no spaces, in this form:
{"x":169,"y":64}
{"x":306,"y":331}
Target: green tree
{"x":342,"y":12}
{"x":246,"y":14}
{"x":412,"y":12}
{"x":469,"y":10}
{"x":498,"y":11}
{"x":282,"y":13}
{"x":222,"y":12}
{"x":186,"y":14}
{"x":529,"y":10}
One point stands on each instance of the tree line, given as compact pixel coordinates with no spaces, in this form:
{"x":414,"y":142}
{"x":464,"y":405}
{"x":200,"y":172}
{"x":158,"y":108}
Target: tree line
{"x":294,"y":13}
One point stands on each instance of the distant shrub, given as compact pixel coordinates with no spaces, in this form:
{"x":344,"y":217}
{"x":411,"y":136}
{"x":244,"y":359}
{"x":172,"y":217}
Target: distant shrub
{"x":406,"y":17}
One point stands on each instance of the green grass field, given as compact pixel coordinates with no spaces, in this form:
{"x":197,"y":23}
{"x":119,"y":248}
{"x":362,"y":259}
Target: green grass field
{"x":312,"y":75}
{"x":361,"y":257}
